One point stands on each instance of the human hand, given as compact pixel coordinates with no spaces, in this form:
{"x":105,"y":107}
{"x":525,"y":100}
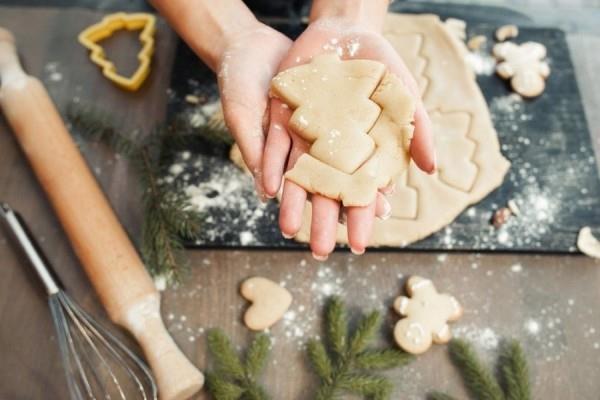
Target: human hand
{"x":283,"y":147}
{"x":245,"y":55}
{"x":245,"y":69}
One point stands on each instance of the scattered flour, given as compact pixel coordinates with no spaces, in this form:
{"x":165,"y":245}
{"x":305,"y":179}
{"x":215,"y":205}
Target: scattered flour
{"x":213,"y":187}
{"x":51,"y":71}
{"x":482,"y":64}
{"x":484,"y":339}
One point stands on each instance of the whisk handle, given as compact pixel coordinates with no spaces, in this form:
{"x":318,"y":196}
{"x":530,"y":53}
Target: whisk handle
{"x":33,"y":251}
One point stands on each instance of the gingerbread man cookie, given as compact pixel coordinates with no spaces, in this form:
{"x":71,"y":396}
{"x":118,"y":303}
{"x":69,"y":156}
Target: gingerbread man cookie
{"x":358,"y":120}
{"x":524,"y":65}
{"x":426,"y":313}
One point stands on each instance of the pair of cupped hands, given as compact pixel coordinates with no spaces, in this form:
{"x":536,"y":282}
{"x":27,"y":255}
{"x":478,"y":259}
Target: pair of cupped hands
{"x":259,"y":124}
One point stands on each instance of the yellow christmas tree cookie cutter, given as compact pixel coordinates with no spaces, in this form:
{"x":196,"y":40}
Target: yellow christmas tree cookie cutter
{"x":109,"y":25}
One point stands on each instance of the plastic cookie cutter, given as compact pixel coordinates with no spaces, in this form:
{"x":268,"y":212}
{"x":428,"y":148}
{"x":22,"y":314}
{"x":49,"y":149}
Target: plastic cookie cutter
{"x":109,"y":25}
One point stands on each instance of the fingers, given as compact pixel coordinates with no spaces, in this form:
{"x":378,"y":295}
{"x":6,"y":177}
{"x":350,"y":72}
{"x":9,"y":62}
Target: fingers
{"x":277,"y":148}
{"x":360,"y":227}
{"x":293,"y":200}
{"x":323,"y":227}
{"x":422,"y":148}
{"x":246,"y":127}
{"x":291,"y":209}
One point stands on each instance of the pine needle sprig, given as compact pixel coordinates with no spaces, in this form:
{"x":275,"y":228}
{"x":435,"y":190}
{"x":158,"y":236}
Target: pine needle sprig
{"x":232,"y":378}
{"x":481,"y":383}
{"x":478,"y":380}
{"x":167,"y":218}
{"x":439,"y":396}
{"x":514,"y":372}
{"x":344,"y":363}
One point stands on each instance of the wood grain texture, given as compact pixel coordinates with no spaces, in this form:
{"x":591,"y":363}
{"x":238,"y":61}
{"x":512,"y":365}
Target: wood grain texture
{"x":559,"y":294}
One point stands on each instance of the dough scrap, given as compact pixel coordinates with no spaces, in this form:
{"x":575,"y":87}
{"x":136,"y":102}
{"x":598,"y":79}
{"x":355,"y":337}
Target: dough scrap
{"x":426,"y":313}
{"x":457,"y":27}
{"x":269,"y":302}
{"x":523,"y":64}
{"x":358,"y":120}
{"x":476,"y":42}
{"x":422,"y":204}
{"x":587,"y":243}
{"x":506,"y":32}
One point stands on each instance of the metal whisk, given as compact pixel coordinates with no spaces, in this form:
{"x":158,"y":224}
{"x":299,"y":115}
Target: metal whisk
{"x":97,"y":364}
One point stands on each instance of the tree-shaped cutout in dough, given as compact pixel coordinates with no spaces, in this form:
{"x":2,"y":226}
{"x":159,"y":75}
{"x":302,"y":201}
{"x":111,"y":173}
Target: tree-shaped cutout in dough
{"x":412,"y":54}
{"x":358,"y":121}
{"x":454,"y":149}
{"x":407,"y":206}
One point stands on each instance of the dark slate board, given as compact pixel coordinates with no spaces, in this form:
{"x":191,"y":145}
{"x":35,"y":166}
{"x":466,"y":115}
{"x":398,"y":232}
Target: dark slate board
{"x":553,"y":176}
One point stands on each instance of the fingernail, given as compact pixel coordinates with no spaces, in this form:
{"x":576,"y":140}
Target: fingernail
{"x":434,"y":166}
{"x":320,"y":258}
{"x":387,"y":210}
{"x":357,"y":252}
{"x":286,"y":236}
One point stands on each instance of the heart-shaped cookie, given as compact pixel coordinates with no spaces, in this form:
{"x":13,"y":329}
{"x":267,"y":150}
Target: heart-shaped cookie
{"x":269,"y":302}
{"x":144,"y":22}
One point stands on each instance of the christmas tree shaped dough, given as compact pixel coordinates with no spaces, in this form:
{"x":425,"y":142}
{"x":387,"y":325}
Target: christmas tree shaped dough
{"x":470,"y":164}
{"x":357,"y":119}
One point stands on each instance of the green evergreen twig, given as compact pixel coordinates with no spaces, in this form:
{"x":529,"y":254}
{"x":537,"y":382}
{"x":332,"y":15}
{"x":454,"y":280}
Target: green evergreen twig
{"x":439,"y":396}
{"x":481,"y":383}
{"x":343,"y":362}
{"x":233,"y":378}
{"x":514,"y":372}
{"x":167,"y":218}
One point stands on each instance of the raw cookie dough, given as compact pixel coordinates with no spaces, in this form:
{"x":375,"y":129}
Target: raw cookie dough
{"x":470,"y":164}
{"x":269,"y":302}
{"x":506,"y":32}
{"x":587,"y":243}
{"x":426,"y":313}
{"x":357,"y":118}
{"x":476,"y":42}
{"x":523,"y":64}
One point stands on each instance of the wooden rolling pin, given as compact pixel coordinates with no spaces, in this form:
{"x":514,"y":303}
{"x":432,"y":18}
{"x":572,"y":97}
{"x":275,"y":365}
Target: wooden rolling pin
{"x":100,"y":242}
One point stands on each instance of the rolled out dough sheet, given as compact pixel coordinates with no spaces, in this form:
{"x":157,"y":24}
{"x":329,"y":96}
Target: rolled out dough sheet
{"x":470,"y":164}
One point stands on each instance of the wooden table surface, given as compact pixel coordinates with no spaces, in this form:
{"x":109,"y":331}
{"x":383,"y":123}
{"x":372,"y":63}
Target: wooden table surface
{"x":550,"y":303}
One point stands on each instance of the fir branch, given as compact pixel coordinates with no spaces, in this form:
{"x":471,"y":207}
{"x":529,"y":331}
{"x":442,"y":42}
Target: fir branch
{"x":167,"y":218}
{"x":233,"y":378}
{"x":94,"y":126}
{"x":439,"y":396}
{"x":368,"y":386}
{"x":319,"y":358}
{"x":478,"y":380}
{"x":222,"y":389}
{"x":227,"y":361}
{"x":480,"y":383}
{"x":257,"y":355}
{"x":347,"y":364}
{"x":382,"y":359}
{"x":337,"y":326}
{"x":514,"y":372}
{"x":364,"y":332}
